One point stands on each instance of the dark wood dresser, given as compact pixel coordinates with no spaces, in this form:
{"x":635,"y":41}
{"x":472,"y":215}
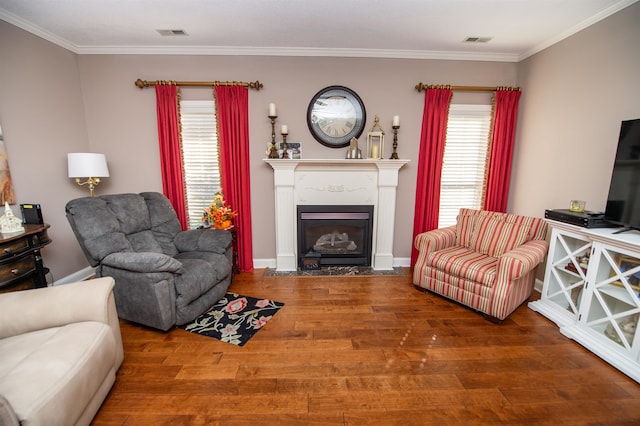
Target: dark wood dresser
{"x":21,"y":265}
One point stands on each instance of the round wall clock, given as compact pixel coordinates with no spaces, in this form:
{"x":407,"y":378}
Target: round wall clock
{"x":335,"y":115}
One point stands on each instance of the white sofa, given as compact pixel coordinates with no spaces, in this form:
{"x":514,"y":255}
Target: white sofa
{"x":60,"y":348}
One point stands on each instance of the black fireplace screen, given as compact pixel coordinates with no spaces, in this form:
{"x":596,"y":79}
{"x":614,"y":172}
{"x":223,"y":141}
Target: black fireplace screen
{"x":334,"y":235}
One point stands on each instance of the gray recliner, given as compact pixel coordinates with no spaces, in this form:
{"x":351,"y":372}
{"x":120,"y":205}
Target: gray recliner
{"x":164,"y":276}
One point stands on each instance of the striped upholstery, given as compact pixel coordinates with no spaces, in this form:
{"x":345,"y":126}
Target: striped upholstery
{"x":495,"y":237}
{"x":486,"y":261}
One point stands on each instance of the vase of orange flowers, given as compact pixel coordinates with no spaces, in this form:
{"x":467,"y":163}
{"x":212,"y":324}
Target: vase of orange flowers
{"x":219,"y":214}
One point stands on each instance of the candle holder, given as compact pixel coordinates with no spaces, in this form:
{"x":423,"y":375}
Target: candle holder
{"x":394,"y":155}
{"x":285,"y":154}
{"x":273,"y":151}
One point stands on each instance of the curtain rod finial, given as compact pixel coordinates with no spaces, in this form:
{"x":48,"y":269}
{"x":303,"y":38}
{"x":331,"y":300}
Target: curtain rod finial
{"x":256,"y":85}
{"x":142,"y":83}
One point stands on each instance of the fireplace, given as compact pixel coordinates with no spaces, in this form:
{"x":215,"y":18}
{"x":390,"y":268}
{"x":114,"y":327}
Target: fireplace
{"x":334,"y":235}
{"x":302,"y":182}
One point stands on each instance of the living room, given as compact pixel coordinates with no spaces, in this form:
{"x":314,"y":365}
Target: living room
{"x":575,"y":93}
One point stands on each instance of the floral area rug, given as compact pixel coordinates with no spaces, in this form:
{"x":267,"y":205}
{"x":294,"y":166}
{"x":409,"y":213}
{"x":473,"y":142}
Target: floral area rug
{"x":235,"y":318}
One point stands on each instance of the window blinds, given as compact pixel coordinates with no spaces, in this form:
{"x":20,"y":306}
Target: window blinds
{"x":200,"y":156}
{"x":463,"y":169}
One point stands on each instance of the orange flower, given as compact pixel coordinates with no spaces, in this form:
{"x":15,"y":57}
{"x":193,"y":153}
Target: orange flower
{"x":218,"y":211}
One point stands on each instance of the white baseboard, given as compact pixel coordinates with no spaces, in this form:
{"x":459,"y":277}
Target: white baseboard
{"x":538,"y":285}
{"x":264,"y":263}
{"x":80,"y":275}
{"x":271,"y":263}
{"x":89,"y":272}
{"x":402,"y":262}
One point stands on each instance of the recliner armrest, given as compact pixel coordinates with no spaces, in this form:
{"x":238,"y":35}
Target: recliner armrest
{"x":143,"y":262}
{"x":213,"y":240}
{"x":521,"y":260}
{"x":436,"y":239}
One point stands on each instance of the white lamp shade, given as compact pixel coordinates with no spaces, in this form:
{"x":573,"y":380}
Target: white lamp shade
{"x":87,"y":164}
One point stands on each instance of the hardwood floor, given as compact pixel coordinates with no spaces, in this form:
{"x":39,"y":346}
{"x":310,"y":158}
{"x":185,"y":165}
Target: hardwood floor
{"x":360,"y":350}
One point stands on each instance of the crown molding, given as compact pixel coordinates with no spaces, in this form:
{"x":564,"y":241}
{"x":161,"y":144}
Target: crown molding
{"x":36,"y":30}
{"x":294,"y":51}
{"x":577,"y":28}
{"x":304,"y":51}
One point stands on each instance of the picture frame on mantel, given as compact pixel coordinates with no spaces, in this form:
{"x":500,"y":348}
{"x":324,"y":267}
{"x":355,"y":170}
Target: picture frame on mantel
{"x":294,"y":149}
{"x":7,"y":194}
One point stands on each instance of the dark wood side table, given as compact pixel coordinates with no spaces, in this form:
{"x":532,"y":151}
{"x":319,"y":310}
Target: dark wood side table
{"x":234,"y":248}
{"x":21,"y":265}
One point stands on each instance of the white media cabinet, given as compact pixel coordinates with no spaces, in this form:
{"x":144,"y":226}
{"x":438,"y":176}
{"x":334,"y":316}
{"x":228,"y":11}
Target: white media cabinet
{"x":592,"y":292}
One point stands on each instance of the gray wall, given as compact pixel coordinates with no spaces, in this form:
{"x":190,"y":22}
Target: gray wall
{"x":53,"y":102}
{"x":575,"y":94}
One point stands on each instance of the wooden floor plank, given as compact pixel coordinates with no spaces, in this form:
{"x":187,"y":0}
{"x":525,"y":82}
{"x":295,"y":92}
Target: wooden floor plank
{"x":366,"y":350}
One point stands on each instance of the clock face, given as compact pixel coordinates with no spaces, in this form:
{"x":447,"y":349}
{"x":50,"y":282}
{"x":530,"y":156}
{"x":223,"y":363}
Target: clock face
{"x":335,"y":115}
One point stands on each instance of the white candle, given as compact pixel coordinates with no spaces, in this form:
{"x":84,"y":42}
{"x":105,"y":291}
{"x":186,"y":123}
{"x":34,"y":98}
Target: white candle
{"x":272,"y":110}
{"x":396,"y":120}
{"x":374,"y":151}
{"x":284,"y":130}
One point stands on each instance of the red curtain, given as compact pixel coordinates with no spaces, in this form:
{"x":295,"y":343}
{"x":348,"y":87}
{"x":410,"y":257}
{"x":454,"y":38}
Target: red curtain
{"x":504,"y":130}
{"x":432,"y":139}
{"x":170,"y":150}
{"x":233,"y":133}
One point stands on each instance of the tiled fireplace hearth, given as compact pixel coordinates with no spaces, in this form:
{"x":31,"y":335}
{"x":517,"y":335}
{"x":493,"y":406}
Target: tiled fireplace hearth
{"x":335,"y":182}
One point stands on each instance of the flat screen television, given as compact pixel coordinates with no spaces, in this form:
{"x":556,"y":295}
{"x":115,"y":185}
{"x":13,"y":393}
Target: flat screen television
{"x":623,"y":201}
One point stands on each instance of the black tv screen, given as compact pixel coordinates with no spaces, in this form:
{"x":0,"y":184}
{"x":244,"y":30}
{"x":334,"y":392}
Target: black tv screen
{"x":623,"y":202}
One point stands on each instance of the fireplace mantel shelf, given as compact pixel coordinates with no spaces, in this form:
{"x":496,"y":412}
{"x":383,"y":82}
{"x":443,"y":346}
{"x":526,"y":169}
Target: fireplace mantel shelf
{"x":335,"y":182}
{"x":290,"y":163}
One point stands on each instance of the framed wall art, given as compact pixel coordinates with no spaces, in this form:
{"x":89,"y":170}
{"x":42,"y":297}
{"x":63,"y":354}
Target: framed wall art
{"x":7,"y":195}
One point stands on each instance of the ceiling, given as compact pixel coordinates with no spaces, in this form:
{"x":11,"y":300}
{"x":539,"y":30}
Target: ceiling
{"x":428,"y":29}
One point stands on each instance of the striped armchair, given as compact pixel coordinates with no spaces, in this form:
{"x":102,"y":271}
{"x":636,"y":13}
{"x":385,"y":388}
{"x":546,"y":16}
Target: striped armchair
{"x":487,"y":261}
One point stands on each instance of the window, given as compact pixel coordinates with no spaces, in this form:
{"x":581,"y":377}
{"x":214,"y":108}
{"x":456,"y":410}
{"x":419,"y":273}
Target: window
{"x":465,"y":153}
{"x":200,"y":156}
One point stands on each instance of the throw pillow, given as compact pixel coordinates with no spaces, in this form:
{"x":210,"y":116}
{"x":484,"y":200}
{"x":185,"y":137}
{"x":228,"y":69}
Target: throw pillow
{"x":495,"y":237}
{"x":465,"y":225}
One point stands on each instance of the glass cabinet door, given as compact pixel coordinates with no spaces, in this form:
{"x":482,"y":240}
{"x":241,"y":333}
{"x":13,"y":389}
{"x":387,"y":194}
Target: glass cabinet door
{"x":566,"y":271}
{"x":612,"y":302}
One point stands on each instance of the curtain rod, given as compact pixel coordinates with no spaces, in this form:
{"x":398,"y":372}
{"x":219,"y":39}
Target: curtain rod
{"x":421,"y":86}
{"x":144,"y":83}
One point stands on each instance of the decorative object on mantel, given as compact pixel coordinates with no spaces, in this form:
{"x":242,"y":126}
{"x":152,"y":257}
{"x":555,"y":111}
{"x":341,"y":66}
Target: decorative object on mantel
{"x":284,"y":131}
{"x":87,"y":165}
{"x":294,"y":150}
{"x":9,"y":223}
{"x":375,"y":141}
{"x":395,"y":124}
{"x":354,"y":151}
{"x":335,"y":116}
{"x":273,"y":151}
{"x":219,"y":214}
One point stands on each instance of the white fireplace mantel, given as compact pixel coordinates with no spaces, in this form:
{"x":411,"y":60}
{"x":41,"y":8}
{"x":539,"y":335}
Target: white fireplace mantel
{"x":335,"y":182}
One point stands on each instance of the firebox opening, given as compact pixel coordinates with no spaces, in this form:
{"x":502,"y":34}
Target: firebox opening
{"x":334,"y":235}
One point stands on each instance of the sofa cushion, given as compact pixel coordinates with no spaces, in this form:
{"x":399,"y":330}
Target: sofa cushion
{"x":53,"y":373}
{"x":7,"y":415}
{"x":494,"y":237}
{"x":131,"y":212}
{"x":466,"y":263}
